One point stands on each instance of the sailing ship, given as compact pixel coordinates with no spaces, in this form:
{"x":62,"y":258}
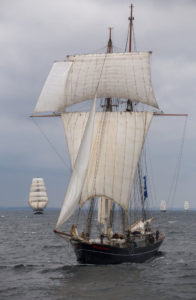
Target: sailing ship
{"x":38,"y":199}
{"x":186,"y":205}
{"x":163,"y":206}
{"x":105,"y":146}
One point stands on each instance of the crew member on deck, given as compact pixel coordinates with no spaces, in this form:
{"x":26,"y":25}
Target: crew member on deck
{"x":157,"y":234}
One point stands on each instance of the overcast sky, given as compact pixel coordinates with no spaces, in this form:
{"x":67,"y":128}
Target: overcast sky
{"x":34,"y":33}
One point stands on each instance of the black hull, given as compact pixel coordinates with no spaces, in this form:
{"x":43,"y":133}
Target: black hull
{"x":105,"y":254}
{"x":38,"y":212}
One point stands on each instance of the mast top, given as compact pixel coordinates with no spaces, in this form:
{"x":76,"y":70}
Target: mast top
{"x":110,"y":46}
{"x":131,"y":18}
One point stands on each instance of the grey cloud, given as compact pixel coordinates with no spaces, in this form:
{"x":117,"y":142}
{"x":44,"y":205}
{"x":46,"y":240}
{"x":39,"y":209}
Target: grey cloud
{"x":35,"y":33}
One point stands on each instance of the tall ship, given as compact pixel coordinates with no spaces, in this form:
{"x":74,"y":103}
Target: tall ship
{"x":38,"y":198}
{"x":186,"y":205}
{"x":163,"y":206}
{"x":104,"y":214}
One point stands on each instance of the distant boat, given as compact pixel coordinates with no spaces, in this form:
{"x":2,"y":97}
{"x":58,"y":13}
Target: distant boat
{"x":163,"y":206}
{"x":186,"y":205}
{"x":38,"y":199}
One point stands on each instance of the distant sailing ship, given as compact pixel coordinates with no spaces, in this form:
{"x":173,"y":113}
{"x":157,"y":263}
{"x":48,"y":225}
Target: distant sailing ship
{"x":186,"y":205}
{"x":38,"y":199}
{"x":163,"y":206}
{"x":108,"y":183}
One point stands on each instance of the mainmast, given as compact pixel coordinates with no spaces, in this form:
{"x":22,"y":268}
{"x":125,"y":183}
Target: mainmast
{"x":130,"y":108}
{"x":131,"y":18}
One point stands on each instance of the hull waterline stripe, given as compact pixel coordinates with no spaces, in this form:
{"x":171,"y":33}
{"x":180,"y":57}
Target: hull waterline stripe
{"x":118,"y":254}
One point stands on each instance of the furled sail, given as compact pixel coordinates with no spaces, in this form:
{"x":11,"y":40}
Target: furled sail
{"x":140,"y":225}
{"x":103,"y":209}
{"x":74,"y":189}
{"x":124,"y":75}
{"x":117,"y":143}
{"x":38,"y":197}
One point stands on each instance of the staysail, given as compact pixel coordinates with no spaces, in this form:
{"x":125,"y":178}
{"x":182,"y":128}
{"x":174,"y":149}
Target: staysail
{"x":79,"y":172}
{"x":118,"y":139}
{"x":124,"y":75}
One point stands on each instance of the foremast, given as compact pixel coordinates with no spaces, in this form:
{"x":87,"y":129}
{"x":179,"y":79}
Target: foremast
{"x":107,"y":217}
{"x":108,"y":208}
{"x":109,"y":50}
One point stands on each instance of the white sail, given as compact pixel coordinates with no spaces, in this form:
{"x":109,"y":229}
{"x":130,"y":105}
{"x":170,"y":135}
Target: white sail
{"x":37,"y":185}
{"x":38,"y":197}
{"x":52,"y":97}
{"x":37,"y":188}
{"x":124,"y":75}
{"x":186,"y":205}
{"x":74,"y":189}
{"x":117,"y":144}
{"x":163,"y":206}
{"x":41,"y":193}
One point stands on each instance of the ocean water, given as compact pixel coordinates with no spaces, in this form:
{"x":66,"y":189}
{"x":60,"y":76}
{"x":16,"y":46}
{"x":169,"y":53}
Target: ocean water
{"x":36,"y":264}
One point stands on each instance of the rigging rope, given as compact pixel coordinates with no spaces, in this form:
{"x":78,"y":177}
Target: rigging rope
{"x":150,"y":174}
{"x":49,"y":142}
{"x":134,"y":40}
{"x":127,"y":39}
{"x":174,"y":183}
